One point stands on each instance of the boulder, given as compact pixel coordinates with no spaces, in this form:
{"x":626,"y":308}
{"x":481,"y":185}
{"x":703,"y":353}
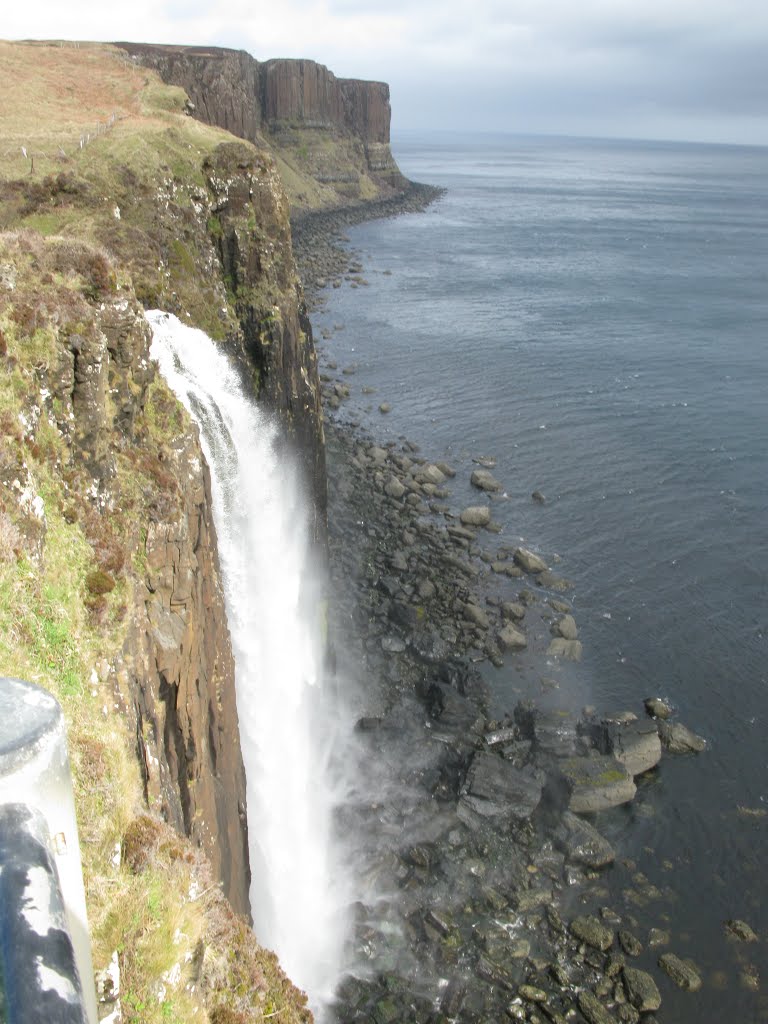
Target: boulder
{"x":528,"y":561}
{"x":740,"y":930}
{"x":684,"y":973}
{"x":476,"y":515}
{"x":635,"y":743}
{"x":430,"y":474}
{"x":593,"y":1010}
{"x":498,"y":791}
{"x":472,"y":613}
{"x":385,"y":407}
{"x":554,"y":732}
{"x":512,"y":610}
{"x":394,"y":488}
{"x":594,"y":783}
{"x":512,"y":639}
{"x":631,"y":945}
{"x":641,"y":990}
{"x":658,"y":707}
{"x":484,"y":480}
{"x":582,"y":843}
{"x":678,"y":739}
{"x":593,"y":932}
{"x":571,"y":650}
{"x":566,"y":628}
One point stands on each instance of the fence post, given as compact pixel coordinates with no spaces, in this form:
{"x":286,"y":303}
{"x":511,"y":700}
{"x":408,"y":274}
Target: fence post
{"x":42,"y":897}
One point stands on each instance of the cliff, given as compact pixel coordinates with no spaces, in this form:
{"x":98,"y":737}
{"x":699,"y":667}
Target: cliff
{"x":112,"y":199}
{"x":330,"y":135}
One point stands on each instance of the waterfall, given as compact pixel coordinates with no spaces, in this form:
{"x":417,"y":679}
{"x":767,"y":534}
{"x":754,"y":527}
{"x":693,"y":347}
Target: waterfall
{"x":272,"y":601}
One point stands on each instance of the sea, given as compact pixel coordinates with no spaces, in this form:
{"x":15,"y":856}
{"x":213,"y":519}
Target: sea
{"x":593,"y":315}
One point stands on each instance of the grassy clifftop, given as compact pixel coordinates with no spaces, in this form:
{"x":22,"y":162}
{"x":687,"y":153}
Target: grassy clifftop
{"x":112,"y":198}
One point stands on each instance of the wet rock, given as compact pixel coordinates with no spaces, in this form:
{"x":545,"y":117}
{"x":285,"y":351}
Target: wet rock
{"x":595,"y":783}
{"x":658,"y":937}
{"x":394,"y":488}
{"x":658,"y":707}
{"x":512,"y":610}
{"x":484,"y":480}
{"x":684,"y":973}
{"x":571,"y":650}
{"x":531,"y":994}
{"x":631,"y":945}
{"x":528,"y":561}
{"x":635,"y":744}
{"x":476,"y":615}
{"x":678,"y":739}
{"x":392,"y":644}
{"x":476,"y":515}
{"x":385,"y":407}
{"x":740,"y":930}
{"x":538,"y":497}
{"x":566,"y":628}
{"x":498,"y":791}
{"x":593,"y":1010}
{"x":554,"y":732}
{"x":512,"y":639}
{"x":583,"y":844}
{"x":641,"y":990}
{"x":446,"y":470}
{"x":497,"y":737}
{"x":552,"y":582}
{"x":430,"y":474}
{"x":591,"y":931}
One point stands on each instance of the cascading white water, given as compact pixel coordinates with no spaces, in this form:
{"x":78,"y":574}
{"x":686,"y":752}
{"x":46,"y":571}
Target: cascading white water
{"x":286,"y":725}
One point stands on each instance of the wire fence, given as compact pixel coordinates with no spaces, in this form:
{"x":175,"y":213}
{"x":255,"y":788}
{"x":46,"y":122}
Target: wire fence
{"x":70,"y":149}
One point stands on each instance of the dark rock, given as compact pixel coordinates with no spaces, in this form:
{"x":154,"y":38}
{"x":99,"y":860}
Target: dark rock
{"x":498,"y":791}
{"x":554,"y":733}
{"x":511,"y":638}
{"x":539,"y":497}
{"x":582,"y":843}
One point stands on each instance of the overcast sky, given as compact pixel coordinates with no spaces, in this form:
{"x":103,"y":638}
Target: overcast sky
{"x":668,"y":69}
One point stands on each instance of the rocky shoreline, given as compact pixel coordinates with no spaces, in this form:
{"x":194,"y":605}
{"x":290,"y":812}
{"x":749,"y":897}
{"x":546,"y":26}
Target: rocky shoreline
{"x":481,"y":863}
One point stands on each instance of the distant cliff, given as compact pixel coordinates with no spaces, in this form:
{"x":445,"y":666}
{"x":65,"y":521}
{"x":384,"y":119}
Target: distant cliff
{"x":331,"y":132}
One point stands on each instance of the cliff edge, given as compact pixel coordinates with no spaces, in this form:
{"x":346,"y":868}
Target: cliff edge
{"x":329,"y":135}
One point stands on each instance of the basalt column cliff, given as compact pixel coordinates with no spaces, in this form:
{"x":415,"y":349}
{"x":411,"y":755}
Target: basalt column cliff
{"x":330,"y":135}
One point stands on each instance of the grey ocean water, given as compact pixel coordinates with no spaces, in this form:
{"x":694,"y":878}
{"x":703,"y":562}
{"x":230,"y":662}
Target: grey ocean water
{"x":595,"y":315}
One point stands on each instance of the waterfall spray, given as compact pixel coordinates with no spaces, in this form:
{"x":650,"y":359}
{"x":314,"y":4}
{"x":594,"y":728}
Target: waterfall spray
{"x":286,"y":723}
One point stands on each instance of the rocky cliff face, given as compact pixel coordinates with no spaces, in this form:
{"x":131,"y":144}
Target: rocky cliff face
{"x":332,"y":130}
{"x":128,"y":470}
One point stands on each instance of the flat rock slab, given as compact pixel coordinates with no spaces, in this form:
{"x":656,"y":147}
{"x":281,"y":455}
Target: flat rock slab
{"x":497,"y":790}
{"x":595,"y":783}
{"x":684,"y":973}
